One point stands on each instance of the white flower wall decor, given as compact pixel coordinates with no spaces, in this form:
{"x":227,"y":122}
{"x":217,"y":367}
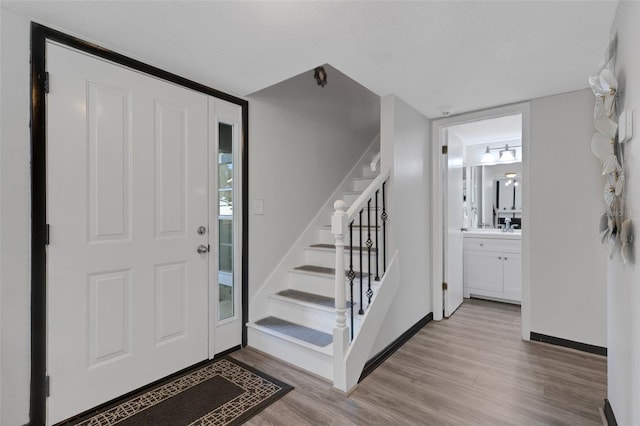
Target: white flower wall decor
{"x":615,"y":228}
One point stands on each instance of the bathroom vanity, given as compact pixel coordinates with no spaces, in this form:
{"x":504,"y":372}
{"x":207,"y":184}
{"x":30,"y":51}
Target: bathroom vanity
{"x":493,"y":265}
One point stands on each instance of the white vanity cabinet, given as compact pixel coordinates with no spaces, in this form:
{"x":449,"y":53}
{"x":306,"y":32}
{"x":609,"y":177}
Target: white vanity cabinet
{"x":493,"y":265}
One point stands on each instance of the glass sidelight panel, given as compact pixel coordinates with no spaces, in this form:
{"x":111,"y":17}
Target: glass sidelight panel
{"x":225,"y":222}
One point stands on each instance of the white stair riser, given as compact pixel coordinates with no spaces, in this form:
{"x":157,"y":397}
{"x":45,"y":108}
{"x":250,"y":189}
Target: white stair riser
{"x":300,"y":356}
{"x":318,"y":319}
{"x":327,"y":258}
{"x":349,"y":199}
{"x":359,"y":185}
{"x":367,"y":172}
{"x":326,"y":237}
{"x":324,"y":286}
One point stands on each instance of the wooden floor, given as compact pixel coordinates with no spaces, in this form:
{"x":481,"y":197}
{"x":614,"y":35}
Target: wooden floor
{"x":472,"y":369}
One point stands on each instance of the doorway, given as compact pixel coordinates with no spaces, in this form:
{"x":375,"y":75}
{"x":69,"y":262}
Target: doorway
{"x":139,"y":184}
{"x":474,"y":207}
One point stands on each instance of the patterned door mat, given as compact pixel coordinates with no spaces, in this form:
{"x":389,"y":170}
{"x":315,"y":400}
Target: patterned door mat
{"x":222,"y":392}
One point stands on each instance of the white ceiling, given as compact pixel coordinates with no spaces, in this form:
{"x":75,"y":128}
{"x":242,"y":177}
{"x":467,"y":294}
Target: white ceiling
{"x":485,"y":132}
{"x":436,"y":55}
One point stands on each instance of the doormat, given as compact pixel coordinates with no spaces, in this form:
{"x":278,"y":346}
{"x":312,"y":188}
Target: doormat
{"x":223,"y":392}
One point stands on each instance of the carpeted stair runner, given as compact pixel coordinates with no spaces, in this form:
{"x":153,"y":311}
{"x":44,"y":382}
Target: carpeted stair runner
{"x":346,"y":248}
{"x":316,"y":299}
{"x":323,"y":270}
{"x":296,"y":331}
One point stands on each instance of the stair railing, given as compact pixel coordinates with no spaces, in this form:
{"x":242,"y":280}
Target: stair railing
{"x":370,"y":209}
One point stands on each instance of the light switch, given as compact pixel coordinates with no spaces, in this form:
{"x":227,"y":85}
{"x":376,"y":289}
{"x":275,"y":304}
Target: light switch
{"x":258,"y":206}
{"x":625,"y":126}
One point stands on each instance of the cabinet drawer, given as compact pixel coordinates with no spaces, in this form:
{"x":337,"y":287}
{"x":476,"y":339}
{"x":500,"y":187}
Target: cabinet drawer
{"x":493,"y":244}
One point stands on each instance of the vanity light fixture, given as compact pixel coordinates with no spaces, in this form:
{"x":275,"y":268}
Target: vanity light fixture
{"x":487,"y":157}
{"x":507,"y":154}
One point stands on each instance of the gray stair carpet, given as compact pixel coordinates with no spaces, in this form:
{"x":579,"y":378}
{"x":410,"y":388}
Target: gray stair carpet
{"x":324,"y":270}
{"x":346,"y":248}
{"x":316,"y":299}
{"x":300,"y":332}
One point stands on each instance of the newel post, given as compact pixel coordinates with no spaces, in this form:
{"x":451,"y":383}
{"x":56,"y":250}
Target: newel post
{"x":338,"y":229}
{"x":340,"y":331}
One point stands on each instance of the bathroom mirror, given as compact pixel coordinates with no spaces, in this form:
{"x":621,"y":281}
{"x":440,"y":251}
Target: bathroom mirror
{"x":492,"y":194}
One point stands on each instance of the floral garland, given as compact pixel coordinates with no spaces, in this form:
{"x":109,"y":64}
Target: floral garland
{"x":615,"y":228}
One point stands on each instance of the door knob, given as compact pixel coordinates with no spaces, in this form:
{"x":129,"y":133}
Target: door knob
{"x":202,"y":249}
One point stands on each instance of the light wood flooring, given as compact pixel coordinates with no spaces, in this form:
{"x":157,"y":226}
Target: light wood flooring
{"x":472,"y":369}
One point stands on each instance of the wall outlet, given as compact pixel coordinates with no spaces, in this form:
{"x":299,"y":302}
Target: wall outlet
{"x":258,"y":206}
{"x":625,"y":126}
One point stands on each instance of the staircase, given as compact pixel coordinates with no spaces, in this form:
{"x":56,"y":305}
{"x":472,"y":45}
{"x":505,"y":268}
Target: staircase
{"x":297,"y":323}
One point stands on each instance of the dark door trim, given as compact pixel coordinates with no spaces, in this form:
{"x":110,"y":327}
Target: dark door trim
{"x":39,"y":35}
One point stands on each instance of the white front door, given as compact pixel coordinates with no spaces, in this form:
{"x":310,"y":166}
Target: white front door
{"x":453,"y":268}
{"x":127,"y":190}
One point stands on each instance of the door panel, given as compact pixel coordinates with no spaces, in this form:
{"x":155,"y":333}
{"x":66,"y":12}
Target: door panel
{"x":127,"y":186}
{"x":513,"y":273}
{"x":453,"y":296}
{"x":483,"y":270}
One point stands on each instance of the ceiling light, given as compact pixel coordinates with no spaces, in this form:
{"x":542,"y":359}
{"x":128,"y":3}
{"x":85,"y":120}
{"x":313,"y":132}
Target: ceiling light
{"x":510,"y":175}
{"x":487,"y":157}
{"x":320,"y":75}
{"x":507,"y":154}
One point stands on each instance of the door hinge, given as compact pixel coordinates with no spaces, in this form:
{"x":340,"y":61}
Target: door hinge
{"x":445,"y":286}
{"x":47,"y":388}
{"x":46,"y":234}
{"x":46,"y":82}
{"x":445,"y":149}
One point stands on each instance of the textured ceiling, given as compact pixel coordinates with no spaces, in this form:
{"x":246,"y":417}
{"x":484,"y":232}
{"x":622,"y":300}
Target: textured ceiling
{"x":436,"y":55}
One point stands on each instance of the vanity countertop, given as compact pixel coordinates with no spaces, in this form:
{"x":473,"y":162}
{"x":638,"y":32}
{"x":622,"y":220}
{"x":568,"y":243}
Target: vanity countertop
{"x":493,"y":233}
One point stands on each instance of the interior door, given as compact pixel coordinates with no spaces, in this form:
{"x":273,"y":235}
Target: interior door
{"x":127,"y":186}
{"x":225,"y":121}
{"x":453,"y":218}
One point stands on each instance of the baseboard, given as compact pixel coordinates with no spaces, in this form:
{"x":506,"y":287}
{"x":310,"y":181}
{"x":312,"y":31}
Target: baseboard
{"x":584,"y":347}
{"x":608,"y":414}
{"x":381,"y":356}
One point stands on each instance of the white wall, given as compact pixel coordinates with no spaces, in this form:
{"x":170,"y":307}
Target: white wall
{"x":406,"y":137}
{"x":304,"y":140}
{"x":15,"y":220}
{"x":567,"y":261}
{"x":623,"y":282}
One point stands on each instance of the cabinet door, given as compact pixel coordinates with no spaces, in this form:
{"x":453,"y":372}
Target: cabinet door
{"x":512,"y":273}
{"x":483,"y":270}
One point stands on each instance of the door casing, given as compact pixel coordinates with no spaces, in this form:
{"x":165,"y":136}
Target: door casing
{"x":439,"y":167}
{"x":39,"y":234}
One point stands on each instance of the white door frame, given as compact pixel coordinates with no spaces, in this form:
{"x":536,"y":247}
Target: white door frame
{"x":437,"y":222}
